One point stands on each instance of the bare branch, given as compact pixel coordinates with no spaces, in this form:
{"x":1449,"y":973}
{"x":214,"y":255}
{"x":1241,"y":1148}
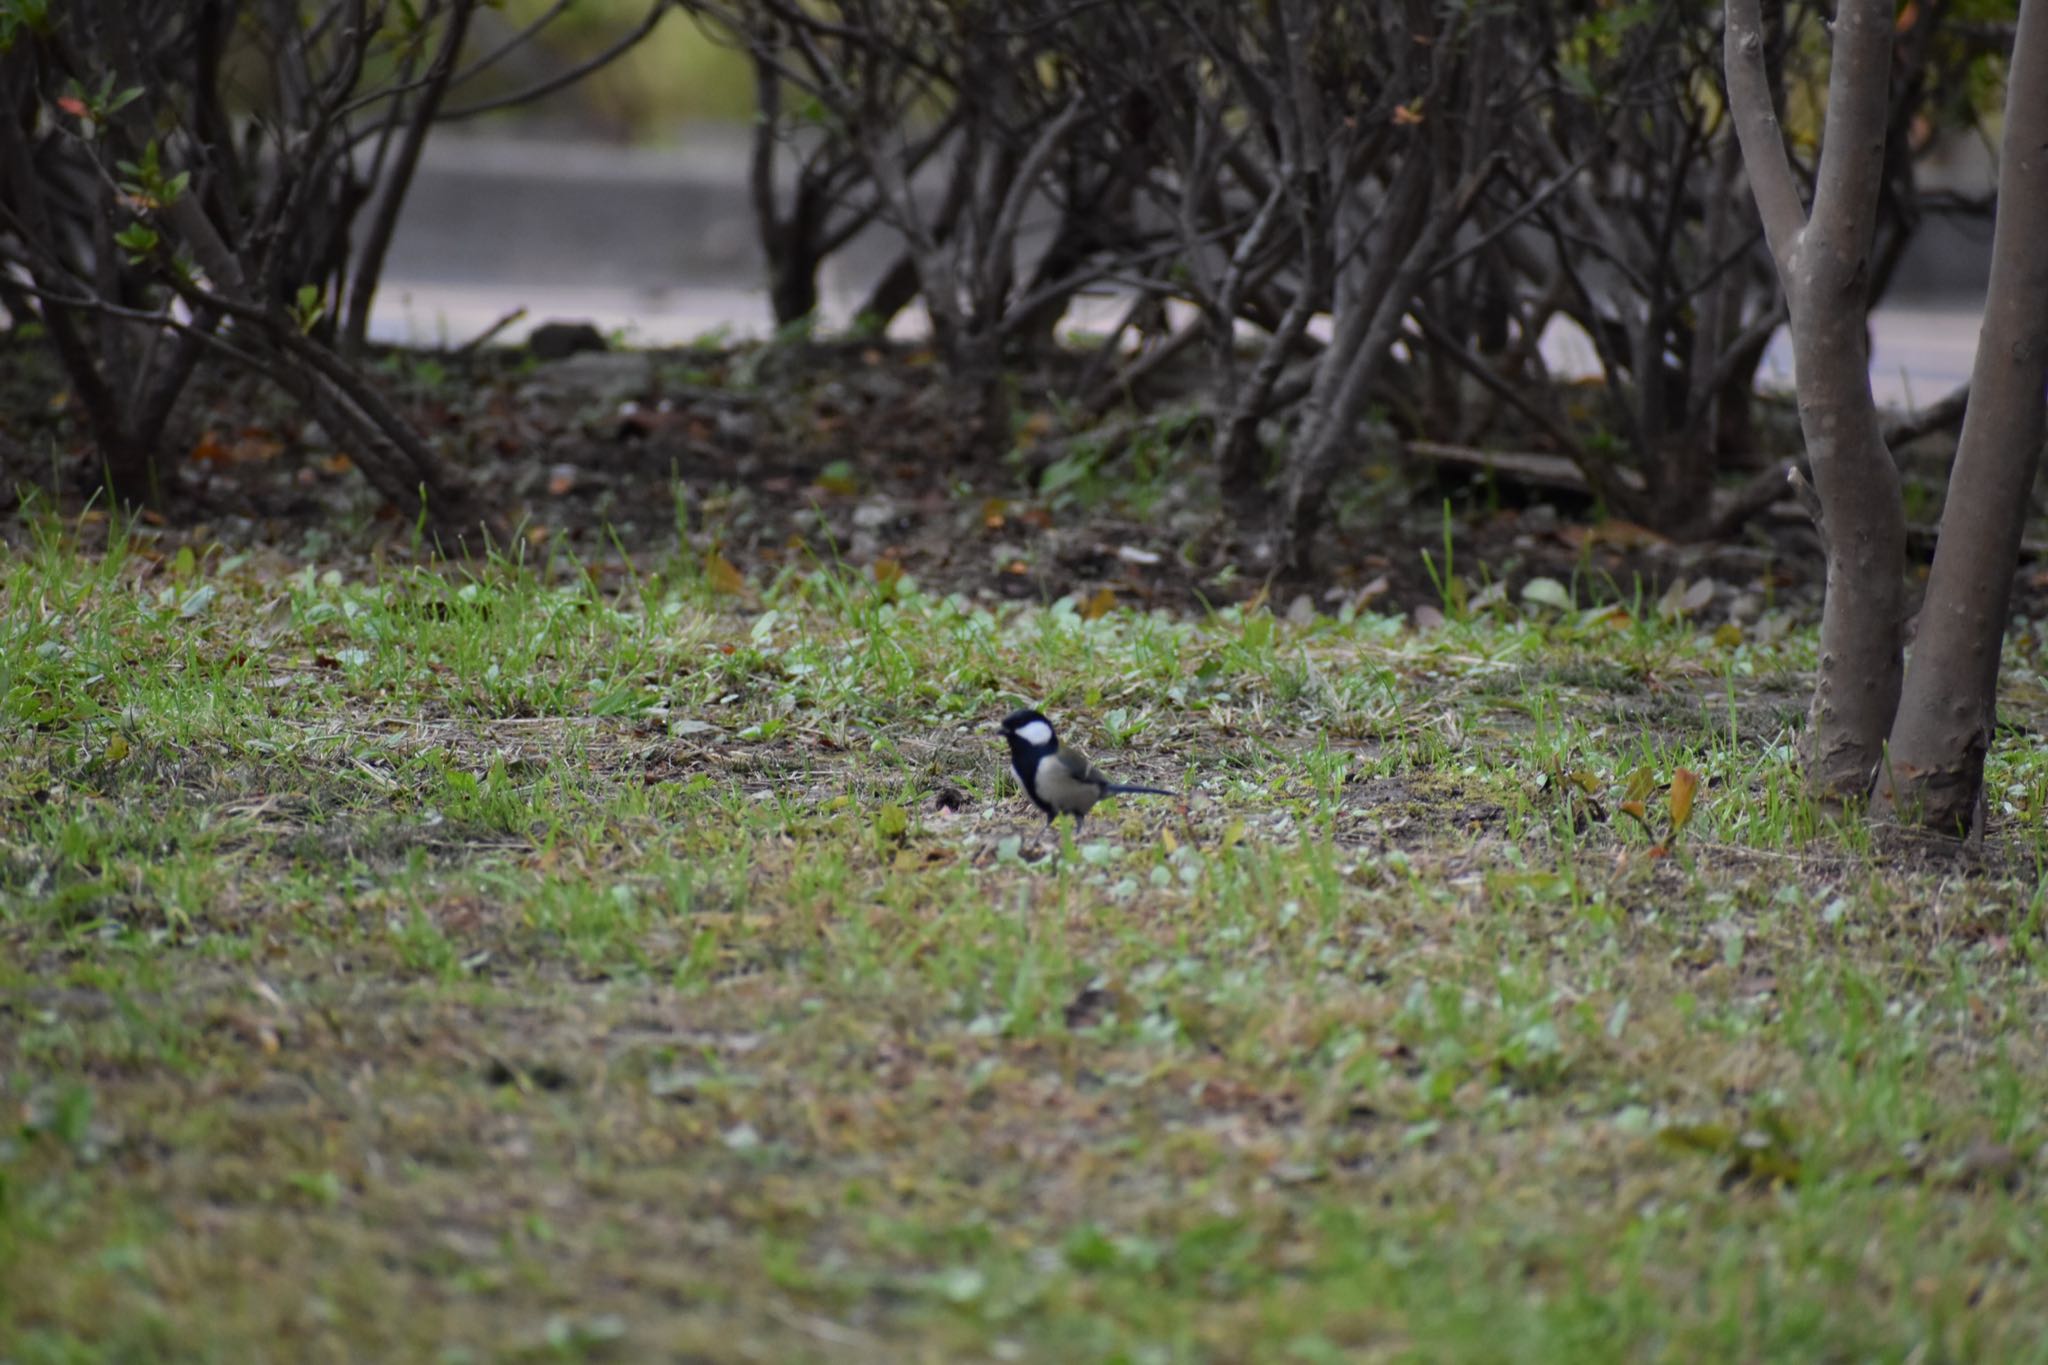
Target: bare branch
{"x":1756,"y":127}
{"x":1944,"y":414}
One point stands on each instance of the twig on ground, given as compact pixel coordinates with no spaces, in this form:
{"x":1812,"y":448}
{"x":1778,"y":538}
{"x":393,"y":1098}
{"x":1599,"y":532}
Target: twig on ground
{"x":477,"y":342}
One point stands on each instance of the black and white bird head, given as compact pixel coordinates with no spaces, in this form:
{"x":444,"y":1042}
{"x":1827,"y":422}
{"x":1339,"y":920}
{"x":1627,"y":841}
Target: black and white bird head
{"x":1030,"y":735}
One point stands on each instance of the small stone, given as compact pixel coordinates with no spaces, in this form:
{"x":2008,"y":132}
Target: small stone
{"x":559,"y":340}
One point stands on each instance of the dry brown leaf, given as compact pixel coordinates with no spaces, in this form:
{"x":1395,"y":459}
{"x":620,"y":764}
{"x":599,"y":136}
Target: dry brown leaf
{"x":208,"y":450}
{"x":724,"y":577}
{"x":1684,"y":784}
{"x":255,"y":447}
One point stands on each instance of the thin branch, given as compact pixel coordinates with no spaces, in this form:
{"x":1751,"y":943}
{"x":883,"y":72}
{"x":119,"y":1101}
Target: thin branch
{"x":1851,"y":172}
{"x":1944,"y":414}
{"x":1757,"y":128}
{"x":565,"y":78}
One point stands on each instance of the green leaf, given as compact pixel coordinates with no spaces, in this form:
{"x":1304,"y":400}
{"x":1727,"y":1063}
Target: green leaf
{"x":137,"y":239}
{"x":307,"y":307}
{"x":959,"y":1284}
{"x":1547,"y":592}
{"x":17,"y":16}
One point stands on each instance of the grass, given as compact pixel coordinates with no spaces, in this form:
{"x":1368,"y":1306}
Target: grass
{"x":565,"y":962}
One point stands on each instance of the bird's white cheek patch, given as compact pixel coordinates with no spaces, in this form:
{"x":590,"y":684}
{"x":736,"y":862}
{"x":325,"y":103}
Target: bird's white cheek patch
{"x":1035,"y":733}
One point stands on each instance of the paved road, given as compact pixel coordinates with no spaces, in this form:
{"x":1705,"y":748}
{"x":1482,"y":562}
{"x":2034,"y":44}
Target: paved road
{"x":659,"y":245}
{"x":1919,"y":353}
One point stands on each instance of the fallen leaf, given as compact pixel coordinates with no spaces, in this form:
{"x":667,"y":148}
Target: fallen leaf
{"x":1379,"y":587}
{"x":208,"y":449}
{"x":256,"y":447}
{"x":723,"y":576}
{"x":1033,"y":430}
{"x":1683,"y":599}
{"x":1684,"y":784}
{"x":1547,"y":592}
{"x":1091,"y":1005}
{"x":1101,"y":604}
{"x":1619,"y":534}
{"x":840,"y":478}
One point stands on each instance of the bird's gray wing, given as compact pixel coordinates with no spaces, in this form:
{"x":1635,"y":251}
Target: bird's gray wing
{"x":1079,"y":768}
{"x":1068,"y":784}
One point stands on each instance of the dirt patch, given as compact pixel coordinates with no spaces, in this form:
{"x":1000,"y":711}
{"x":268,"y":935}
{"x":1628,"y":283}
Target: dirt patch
{"x":785,"y":457}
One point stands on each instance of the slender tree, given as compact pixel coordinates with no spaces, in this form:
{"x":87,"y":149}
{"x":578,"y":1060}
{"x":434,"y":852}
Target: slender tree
{"x":1823,"y":261}
{"x":1935,"y":769}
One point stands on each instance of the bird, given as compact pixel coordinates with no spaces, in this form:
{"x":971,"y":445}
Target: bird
{"x":1059,"y":780}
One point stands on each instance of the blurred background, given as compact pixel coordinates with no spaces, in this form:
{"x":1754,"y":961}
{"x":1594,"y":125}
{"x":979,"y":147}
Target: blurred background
{"x":623,"y":201}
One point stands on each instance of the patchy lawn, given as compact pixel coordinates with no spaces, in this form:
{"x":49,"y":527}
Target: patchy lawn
{"x":524,"y":963}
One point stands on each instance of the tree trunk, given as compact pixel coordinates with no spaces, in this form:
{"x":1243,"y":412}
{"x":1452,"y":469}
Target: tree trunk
{"x":1368,"y":318}
{"x":895,"y":291}
{"x":792,"y":280}
{"x":1935,"y":770}
{"x":1823,"y":263}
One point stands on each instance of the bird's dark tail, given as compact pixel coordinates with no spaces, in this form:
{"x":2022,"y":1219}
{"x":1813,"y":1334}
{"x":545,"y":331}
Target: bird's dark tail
{"x":1119,"y":789}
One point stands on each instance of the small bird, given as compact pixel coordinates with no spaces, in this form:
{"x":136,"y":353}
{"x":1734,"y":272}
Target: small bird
{"x":1059,"y":781}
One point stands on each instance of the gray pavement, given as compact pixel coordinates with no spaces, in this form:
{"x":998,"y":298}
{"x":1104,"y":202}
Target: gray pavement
{"x":658,"y":245}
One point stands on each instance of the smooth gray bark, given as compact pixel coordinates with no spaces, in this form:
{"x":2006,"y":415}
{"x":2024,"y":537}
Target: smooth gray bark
{"x":1823,"y":263}
{"x":1935,"y":771}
